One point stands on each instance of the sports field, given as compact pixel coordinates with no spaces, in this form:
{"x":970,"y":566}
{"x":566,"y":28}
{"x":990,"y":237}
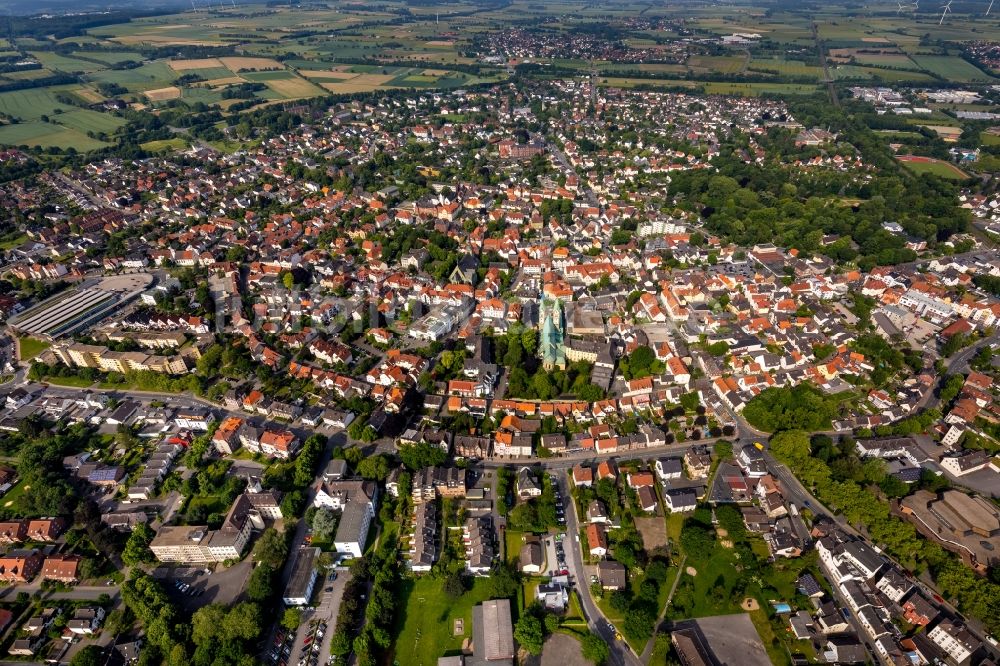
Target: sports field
{"x":919,"y":165}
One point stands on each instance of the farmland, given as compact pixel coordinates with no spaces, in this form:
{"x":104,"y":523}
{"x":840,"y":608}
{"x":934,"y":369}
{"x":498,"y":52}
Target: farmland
{"x":279,"y":53}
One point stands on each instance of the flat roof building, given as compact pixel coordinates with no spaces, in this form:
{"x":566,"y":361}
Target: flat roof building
{"x":303,"y":579}
{"x":492,"y":634}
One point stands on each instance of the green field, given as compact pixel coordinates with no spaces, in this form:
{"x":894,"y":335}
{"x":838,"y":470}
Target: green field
{"x":31,"y":347}
{"x":937,"y":168}
{"x":75,"y":382}
{"x":45,"y":135}
{"x":165,"y":144}
{"x":787,"y":67}
{"x":32,"y":103}
{"x":88,"y":121}
{"x":150,"y":76}
{"x":64,"y":64}
{"x":425,"y":619}
{"x":951,"y":68}
{"x":754,"y":89}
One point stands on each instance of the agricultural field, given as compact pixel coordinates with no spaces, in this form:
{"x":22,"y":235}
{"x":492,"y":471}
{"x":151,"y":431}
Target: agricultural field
{"x":345,"y":48}
{"x":150,"y":76}
{"x":720,"y":64}
{"x":951,"y":68}
{"x":54,"y":61}
{"x":786,"y":67}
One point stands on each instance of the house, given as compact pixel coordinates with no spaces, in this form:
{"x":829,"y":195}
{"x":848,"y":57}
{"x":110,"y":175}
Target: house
{"x":13,"y":531}
{"x":918,"y":610}
{"x":583,"y":475}
{"x":638,"y":480}
{"x":63,"y":568}
{"x":844,"y":650}
{"x":646,"y":498}
{"x":479,"y":539}
{"x":597,"y":540}
{"x":20,"y":565}
{"x":669,"y":468}
{"x":129,"y":652}
{"x":527,"y":486}
{"x":552,"y":596}
{"x":680,"y":500}
{"x":894,"y":585}
{"x":47,"y":529}
{"x":955,"y":641}
{"x":27,"y":647}
{"x":531,"y":558}
{"x":611,"y":575}
{"x":86,"y":620}
{"x":698,"y":463}
{"x":597,"y":513}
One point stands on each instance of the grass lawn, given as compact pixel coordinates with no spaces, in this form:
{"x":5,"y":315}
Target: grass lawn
{"x":75,"y":382}
{"x":31,"y":347}
{"x":8,"y":500}
{"x":13,"y":240}
{"x":513,"y":540}
{"x":426,"y":620}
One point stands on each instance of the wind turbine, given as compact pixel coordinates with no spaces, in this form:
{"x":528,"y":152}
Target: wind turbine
{"x":989,"y":8}
{"x":945,"y":10}
{"x":902,"y":6}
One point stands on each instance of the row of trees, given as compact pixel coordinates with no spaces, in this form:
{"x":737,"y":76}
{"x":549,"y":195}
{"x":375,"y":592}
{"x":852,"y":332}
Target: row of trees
{"x":900,"y":539}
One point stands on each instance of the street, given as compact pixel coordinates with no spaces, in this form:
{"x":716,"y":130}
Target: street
{"x":621,"y":654}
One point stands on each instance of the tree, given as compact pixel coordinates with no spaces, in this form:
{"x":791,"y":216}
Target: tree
{"x":92,"y":655}
{"x":595,"y":649}
{"x":292,"y":504}
{"x":324,"y":523}
{"x":529,"y":632}
{"x":424,"y":454}
{"x":206,"y":623}
{"x":272,"y":549}
{"x":137,"y":548}
{"x":801,"y":407}
{"x":291,"y":619}
{"x":696,"y":541}
{"x":791,"y":447}
{"x":242,"y":622}
{"x":503,"y":583}
{"x":454,"y":584}
{"x":260,"y":586}
{"x":374,"y":467}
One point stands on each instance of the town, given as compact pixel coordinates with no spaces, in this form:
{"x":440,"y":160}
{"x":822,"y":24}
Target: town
{"x":535,"y":370}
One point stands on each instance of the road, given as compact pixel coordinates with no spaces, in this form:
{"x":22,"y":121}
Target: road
{"x":621,"y":654}
{"x":78,"y":593}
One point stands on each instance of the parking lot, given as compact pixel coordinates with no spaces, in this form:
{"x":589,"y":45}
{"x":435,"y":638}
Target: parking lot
{"x":193,"y":588}
{"x":311,"y":643}
{"x":555,"y":553}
